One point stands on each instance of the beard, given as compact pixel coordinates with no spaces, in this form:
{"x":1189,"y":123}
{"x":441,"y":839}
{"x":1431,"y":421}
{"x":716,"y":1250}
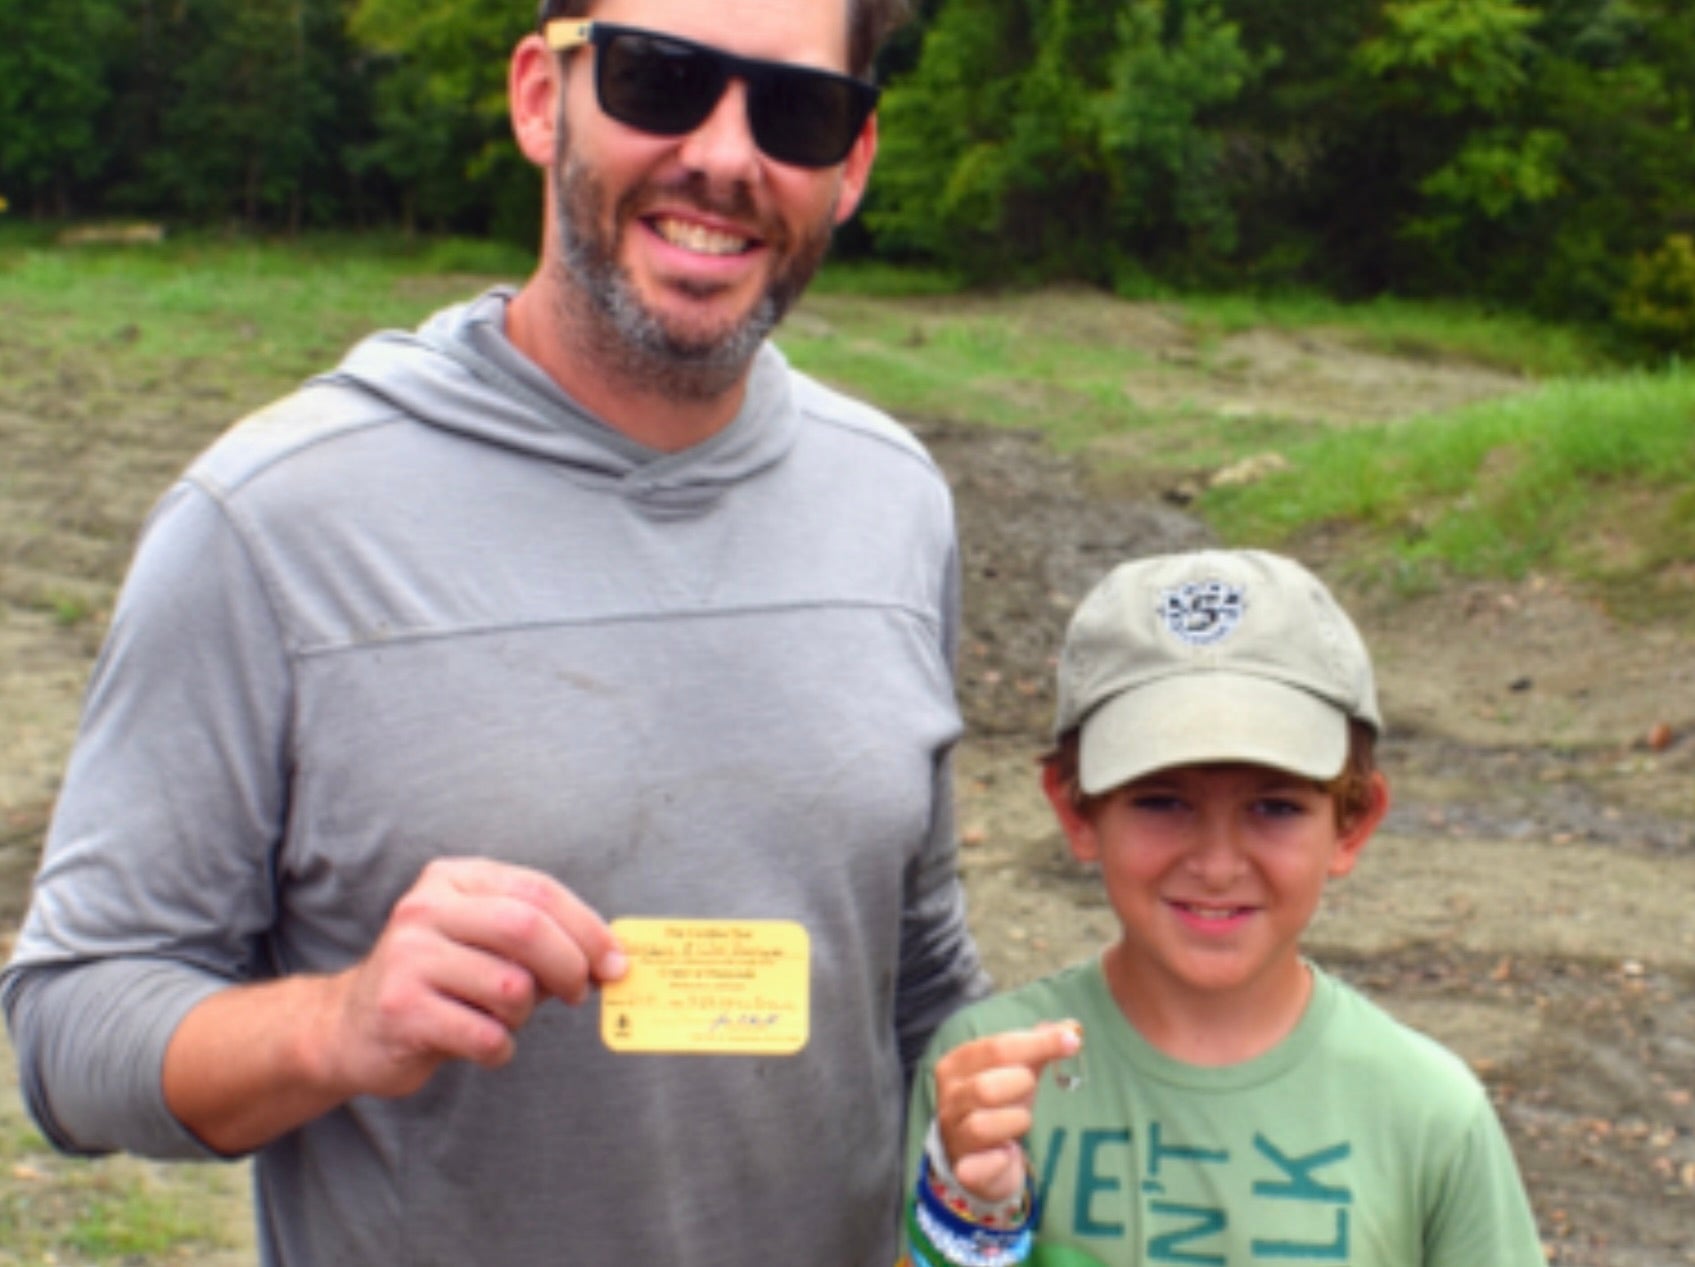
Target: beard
{"x":686,"y":361}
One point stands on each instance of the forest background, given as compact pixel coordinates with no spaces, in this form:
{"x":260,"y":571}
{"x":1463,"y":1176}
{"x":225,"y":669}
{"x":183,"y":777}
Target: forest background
{"x":1532,"y":154}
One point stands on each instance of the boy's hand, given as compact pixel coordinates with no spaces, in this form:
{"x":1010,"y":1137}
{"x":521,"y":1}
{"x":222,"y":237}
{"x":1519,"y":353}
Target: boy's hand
{"x":985,"y":1101}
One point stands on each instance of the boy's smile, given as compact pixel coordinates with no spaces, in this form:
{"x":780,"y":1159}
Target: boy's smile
{"x":1214,"y":872}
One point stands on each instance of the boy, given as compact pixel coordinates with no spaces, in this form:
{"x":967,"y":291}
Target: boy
{"x":1230,"y":1102}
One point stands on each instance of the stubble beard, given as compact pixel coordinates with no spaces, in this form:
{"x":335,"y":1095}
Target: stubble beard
{"x":631,"y":341}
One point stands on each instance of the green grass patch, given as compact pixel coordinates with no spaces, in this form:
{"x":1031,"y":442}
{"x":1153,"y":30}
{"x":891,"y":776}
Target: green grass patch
{"x":1418,"y":330}
{"x":118,"y":1211}
{"x":1586,"y":474}
{"x":133,"y":1222}
{"x":245,"y":315}
{"x":1018,"y":363}
{"x":1588,"y":478}
{"x":889,"y":281}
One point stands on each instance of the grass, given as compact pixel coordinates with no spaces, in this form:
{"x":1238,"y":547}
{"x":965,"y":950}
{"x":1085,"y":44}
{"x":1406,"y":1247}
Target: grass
{"x":1586,"y":478}
{"x":1591,"y":474}
{"x":56,"y":1209}
{"x":247,"y":314}
{"x":1495,"y":489}
{"x":1418,"y":330}
{"x":1586,"y":473}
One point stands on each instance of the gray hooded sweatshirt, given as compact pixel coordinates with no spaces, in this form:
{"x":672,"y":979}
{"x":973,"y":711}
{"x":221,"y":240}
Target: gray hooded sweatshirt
{"x":428,"y":606}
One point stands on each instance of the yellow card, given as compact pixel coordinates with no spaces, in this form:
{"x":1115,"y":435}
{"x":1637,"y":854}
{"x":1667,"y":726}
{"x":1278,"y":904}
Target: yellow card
{"x":710,"y":986}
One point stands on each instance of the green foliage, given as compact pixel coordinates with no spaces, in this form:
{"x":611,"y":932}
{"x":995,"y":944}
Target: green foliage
{"x":1522,"y":153}
{"x":239,"y":125}
{"x":1659,"y":303}
{"x":937,"y":187}
{"x":442,"y":136}
{"x":1454,"y":55}
{"x":1496,"y":172}
{"x":1170,"y":66}
{"x":1058,"y":140}
{"x":56,"y":80}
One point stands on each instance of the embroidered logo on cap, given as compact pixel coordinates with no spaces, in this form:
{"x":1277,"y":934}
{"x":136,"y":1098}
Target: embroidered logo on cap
{"x":1202,"y":612}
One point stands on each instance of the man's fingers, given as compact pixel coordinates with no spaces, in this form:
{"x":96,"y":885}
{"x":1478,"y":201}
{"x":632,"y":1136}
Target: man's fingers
{"x":522,"y":915}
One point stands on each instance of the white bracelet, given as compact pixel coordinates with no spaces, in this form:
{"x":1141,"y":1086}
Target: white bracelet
{"x":1008,"y":1212}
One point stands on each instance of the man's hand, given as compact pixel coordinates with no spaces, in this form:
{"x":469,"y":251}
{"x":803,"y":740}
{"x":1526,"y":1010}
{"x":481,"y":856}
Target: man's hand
{"x":985,"y":1103}
{"x":467,"y":955}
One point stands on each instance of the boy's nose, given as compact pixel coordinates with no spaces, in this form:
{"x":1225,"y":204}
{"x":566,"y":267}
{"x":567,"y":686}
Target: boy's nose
{"x":1216,"y":855}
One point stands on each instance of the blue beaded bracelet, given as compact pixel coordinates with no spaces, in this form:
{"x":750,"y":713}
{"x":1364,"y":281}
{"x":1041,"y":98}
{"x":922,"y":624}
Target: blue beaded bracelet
{"x":958,"y":1242}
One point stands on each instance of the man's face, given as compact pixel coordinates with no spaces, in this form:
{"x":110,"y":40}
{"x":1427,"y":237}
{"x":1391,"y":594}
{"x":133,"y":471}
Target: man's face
{"x":682,"y":253}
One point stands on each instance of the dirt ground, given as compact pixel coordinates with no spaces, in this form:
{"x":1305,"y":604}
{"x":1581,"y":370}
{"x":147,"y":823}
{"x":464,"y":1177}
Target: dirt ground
{"x":1529,"y":903}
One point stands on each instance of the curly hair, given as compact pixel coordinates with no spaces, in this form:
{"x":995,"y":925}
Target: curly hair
{"x":1351,"y":789}
{"x":870,"y":23}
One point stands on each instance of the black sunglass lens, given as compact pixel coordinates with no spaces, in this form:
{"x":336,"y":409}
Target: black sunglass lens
{"x":806,"y":119}
{"x":657,"y":85}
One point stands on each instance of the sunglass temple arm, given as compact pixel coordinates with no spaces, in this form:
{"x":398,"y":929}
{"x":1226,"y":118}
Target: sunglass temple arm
{"x":565,"y":33}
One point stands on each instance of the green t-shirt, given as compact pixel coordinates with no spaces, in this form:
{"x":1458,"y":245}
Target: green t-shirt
{"x":1355,"y":1141}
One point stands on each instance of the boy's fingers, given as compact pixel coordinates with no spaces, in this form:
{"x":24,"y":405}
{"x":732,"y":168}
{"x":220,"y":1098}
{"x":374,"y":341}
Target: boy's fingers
{"x":987,"y":1130}
{"x":1034,"y":1049}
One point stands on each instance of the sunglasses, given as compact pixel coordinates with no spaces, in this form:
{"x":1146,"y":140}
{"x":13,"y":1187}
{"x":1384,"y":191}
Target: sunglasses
{"x":669,"y":86}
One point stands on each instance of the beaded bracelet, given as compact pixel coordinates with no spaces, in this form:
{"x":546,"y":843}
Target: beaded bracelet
{"x":934,"y":1243}
{"x":945,"y":1237}
{"x":1009,"y":1212}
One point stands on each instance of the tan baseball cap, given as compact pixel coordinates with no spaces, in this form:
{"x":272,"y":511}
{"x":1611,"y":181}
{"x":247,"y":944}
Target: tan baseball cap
{"x":1208,"y":656}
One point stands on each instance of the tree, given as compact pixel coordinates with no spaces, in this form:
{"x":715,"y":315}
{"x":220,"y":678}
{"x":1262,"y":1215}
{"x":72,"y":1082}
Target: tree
{"x":55,"y":86}
{"x":1058,"y":139}
{"x":239,"y":115}
{"x":442,"y":139}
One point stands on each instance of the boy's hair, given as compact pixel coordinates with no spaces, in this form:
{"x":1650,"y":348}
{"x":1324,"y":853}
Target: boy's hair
{"x":1350,"y":789}
{"x":870,"y":23}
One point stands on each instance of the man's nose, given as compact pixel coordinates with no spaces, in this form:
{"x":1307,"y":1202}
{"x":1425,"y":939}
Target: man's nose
{"x":722,"y":147}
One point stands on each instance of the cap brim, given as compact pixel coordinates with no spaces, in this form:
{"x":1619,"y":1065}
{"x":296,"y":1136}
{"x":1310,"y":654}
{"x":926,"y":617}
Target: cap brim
{"x":1197,"y":718}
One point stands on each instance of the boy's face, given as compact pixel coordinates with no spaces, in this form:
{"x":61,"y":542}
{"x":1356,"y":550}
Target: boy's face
{"x":1215,"y":871}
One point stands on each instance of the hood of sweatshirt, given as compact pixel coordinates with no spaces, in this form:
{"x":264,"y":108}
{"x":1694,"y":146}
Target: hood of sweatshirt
{"x":458,"y":371}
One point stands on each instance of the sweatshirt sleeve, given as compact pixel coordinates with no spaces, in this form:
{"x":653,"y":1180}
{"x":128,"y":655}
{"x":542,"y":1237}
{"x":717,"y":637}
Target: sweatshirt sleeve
{"x":939,"y":965}
{"x":155,"y":886}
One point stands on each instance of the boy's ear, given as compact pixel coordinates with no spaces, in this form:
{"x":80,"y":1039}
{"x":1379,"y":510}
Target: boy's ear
{"x":1351,"y":843}
{"x":1079,"y":829}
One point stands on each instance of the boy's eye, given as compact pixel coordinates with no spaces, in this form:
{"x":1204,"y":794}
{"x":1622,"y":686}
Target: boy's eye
{"x":1155,"y":802}
{"x":1280,"y":807}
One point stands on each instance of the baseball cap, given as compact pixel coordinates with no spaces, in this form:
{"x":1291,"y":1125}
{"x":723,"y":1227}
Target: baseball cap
{"x":1208,"y":656}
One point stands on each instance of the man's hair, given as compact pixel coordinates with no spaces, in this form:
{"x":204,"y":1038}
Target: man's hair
{"x":870,"y":23}
{"x":1351,"y":788}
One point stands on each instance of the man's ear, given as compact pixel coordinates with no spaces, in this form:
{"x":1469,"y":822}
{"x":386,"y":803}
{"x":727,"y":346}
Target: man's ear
{"x":856,"y":171}
{"x":1078,"y":827}
{"x":533,"y":85}
{"x":1352,"y":841}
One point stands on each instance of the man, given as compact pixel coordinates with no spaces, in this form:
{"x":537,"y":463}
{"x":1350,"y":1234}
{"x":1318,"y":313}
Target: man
{"x":577,"y":604}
